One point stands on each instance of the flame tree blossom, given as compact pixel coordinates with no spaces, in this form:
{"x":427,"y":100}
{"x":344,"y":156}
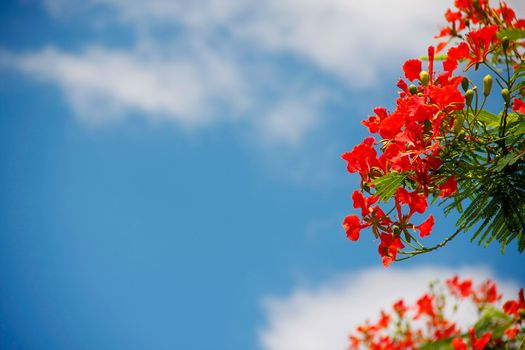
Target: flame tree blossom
{"x":439,"y":143}
{"x":429,"y":324}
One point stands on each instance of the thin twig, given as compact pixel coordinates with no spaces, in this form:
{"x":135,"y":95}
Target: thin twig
{"x":426,"y":250}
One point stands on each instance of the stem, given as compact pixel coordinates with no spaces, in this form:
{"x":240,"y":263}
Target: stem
{"x":521,"y":344}
{"x":426,"y":250}
{"x":493,"y":70}
{"x":503,"y":126}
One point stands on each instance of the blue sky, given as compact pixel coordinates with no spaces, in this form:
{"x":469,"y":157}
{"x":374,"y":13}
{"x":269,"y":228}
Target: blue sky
{"x":170,"y":171}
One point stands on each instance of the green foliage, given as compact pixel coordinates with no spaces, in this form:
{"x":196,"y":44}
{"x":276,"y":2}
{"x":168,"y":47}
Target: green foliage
{"x":387,"y":185}
{"x":443,"y":344}
{"x":493,"y":320}
{"x":492,"y":179}
{"x":512,"y":34}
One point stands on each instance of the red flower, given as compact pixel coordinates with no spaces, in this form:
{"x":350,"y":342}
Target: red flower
{"x":455,"y":54}
{"x":431,"y":52}
{"x":384,"y":320}
{"x":374,"y":121}
{"x":453,"y":17}
{"x":458,"y":344}
{"x":513,"y":307}
{"x":426,"y":227}
{"x":412,"y":68}
{"x":400,"y":307}
{"x":433,"y":326}
{"x":506,"y":13}
{"x":471,"y":9}
{"x":477,"y":344}
{"x":463,"y":4}
{"x":362,"y":158}
{"x":518,"y":106}
{"x":440,"y":46}
{"x":487,"y":293}
{"x":445,"y":31}
{"x":360,"y":201}
{"x":460,"y":288}
{"x":394,"y":157}
{"x":512,"y":333}
{"x":391,"y":125}
{"x":416,"y":202}
{"x":448,"y":188}
{"x":352,"y":226}
{"x":481,"y":342}
{"x":354,"y":342}
{"x":388,"y":248}
{"x":479,"y":44}
{"x":448,"y":97}
{"x":425,"y":306}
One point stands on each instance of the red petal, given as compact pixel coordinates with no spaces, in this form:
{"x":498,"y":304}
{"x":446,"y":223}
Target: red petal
{"x":352,"y":226}
{"x":518,"y":106}
{"x":412,"y":68}
{"x":426,"y":227}
{"x":458,"y":344}
{"x":448,"y":188}
{"x":387,"y":260}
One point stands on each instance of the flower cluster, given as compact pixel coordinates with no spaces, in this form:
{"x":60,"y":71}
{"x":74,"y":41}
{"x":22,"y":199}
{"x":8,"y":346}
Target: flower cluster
{"x":428,"y":321}
{"x":410,"y":145}
{"x":416,"y":155}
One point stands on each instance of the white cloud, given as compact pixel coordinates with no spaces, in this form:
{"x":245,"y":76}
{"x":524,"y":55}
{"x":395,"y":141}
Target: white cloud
{"x":351,"y":39}
{"x":292,"y":117}
{"x":191,"y":79}
{"x":194,"y":88}
{"x":200,"y":76}
{"x":101,"y":83}
{"x":322,"y":318}
{"x":198,"y":72}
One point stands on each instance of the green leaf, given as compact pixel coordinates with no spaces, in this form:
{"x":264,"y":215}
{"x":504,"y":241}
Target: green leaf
{"x":498,"y":208}
{"x":508,"y":159}
{"x":386,"y":186}
{"x":493,"y":320}
{"x":519,"y":71}
{"x":490,"y":119}
{"x":515,"y":125}
{"x":512,"y":34}
{"x":444,"y":344}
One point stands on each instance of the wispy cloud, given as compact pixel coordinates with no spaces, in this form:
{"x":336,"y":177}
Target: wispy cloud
{"x":291,"y":117}
{"x":350,"y":39}
{"x":321,"y":317}
{"x":206,"y":66}
{"x":103,"y":83}
{"x":199,"y":62}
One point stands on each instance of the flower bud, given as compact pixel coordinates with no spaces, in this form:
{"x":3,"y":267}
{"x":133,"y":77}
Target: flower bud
{"x":469,"y":95}
{"x":424,"y":77}
{"x":464,"y":84}
{"x":506,"y":95}
{"x":413,"y":89}
{"x":458,"y":123}
{"x":487,"y":85}
{"x":505,"y":43}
